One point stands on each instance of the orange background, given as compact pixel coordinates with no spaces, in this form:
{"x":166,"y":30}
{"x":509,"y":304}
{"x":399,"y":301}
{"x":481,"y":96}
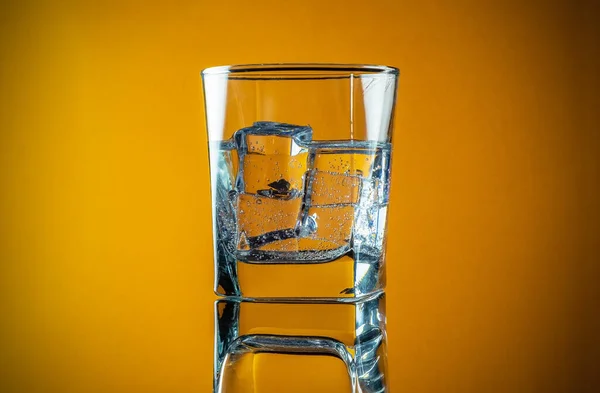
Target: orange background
{"x":106,"y":269}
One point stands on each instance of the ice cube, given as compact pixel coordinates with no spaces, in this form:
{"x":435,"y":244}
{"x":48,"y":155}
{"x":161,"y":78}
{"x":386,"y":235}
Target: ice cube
{"x":339,"y":174}
{"x":272,"y":159}
{"x":269,"y":183}
{"x":335,"y":186}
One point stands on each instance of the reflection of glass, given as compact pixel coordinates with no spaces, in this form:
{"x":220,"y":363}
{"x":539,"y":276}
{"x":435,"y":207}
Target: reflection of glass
{"x":300,"y":173}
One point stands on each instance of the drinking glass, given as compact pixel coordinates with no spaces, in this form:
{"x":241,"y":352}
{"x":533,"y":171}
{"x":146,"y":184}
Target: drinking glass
{"x":300,"y":165}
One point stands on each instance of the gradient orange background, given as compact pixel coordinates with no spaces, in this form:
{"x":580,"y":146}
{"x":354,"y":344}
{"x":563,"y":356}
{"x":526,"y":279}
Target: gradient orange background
{"x":106,"y":267}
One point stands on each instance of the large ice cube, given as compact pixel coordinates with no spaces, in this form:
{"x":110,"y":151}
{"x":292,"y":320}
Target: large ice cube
{"x":339,"y":174}
{"x":273,"y":159}
{"x":335,"y":186}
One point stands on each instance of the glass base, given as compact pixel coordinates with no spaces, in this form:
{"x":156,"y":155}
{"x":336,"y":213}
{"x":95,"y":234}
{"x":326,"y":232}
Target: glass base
{"x":337,"y":345}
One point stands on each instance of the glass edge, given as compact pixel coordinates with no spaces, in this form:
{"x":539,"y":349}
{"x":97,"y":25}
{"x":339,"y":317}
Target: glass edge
{"x":241,"y":68}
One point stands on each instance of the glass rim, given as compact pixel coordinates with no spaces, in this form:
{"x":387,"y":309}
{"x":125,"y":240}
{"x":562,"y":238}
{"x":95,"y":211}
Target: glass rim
{"x":304,"y":71}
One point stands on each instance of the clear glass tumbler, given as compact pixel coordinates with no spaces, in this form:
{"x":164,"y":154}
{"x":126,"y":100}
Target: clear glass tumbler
{"x":300,"y":160}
